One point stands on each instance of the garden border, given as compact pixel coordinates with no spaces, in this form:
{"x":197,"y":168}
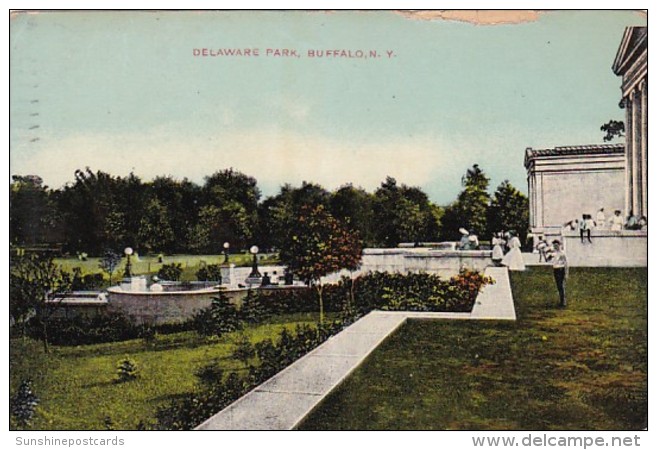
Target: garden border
{"x":284,"y":400}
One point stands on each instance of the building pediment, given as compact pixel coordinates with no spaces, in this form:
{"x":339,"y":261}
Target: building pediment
{"x":633,"y":44}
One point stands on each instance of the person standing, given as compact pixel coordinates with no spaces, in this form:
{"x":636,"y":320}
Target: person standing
{"x":542,"y":248}
{"x":560,"y":267}
{"x":498,"y":253}
{"x":600,"y":219}
{"x":464,"y":243}
{"x":513,"y":260}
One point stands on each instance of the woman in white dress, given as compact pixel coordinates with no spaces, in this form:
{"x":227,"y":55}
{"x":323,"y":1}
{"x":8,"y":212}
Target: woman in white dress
{"x":513,"y":260}
{"x":498,"y":253}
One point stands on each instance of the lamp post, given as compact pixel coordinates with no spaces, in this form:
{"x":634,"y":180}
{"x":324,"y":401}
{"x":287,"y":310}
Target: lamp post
{"x":128,"y":252}
{"x":254,"y":269}
{"x":226,"y":247}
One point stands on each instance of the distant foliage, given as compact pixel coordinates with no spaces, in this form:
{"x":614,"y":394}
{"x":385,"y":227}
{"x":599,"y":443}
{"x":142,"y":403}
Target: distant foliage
{"x":23,"y":404}
{"x":210,"y":272}
{"x":170,"y":272}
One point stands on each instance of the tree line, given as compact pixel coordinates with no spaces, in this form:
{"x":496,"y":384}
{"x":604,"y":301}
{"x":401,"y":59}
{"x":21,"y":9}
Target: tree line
{"x":99,"y":211}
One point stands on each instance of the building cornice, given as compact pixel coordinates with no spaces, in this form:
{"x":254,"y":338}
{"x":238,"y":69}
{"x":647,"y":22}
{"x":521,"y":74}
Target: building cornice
{"x":573,"y":150}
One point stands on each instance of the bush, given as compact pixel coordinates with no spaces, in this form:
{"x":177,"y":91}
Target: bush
{"x":85,"y":330}
{"x":221,"y":317}
{"x":209,"y":273}
{"x":210,"y":375}
{"x":126,"y":371}
{"x":23,"y":404}
{"x":88,"y":282}
{"x":170,"y":272}
{"x":244,"y":350}
{"x":253,"y":309}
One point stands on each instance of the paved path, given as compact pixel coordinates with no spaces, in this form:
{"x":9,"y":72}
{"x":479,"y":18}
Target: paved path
{"x":281,"y":402}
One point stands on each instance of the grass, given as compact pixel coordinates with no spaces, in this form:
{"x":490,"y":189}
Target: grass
{"x":149,"y":264}
{"x":582,"y":368}
{"x":77,"y":388}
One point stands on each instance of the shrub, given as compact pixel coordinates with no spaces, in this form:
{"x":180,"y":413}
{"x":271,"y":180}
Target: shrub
{"x":126,"y":371}
{"x":23,"y":404}
{"x":221,"y":317}
{"x":210,"y":375}
{"x":85,"y":330}
{"x":244,"y":350}
{"x":170,"y":272}
{"x":211,"y":272}
{"x":87,"y":282}
{"x":253,"y":309}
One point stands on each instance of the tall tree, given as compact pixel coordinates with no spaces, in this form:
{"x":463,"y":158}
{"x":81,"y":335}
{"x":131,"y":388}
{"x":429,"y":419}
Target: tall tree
{"x":155,"y":232}
{"x":470,"y":208}
{"x":32,"y":216}
{"x":354,"y":207}
{"x":276,"y":214}
{"x":402,"y":214}
{"x":509,"y":210}
{"x":316,"y":245}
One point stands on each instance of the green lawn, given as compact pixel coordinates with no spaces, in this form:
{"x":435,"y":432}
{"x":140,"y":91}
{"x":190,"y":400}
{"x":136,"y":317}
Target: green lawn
{"x":580,"y":368}
{"x":149,"y":264}
{"x":77,"y":388}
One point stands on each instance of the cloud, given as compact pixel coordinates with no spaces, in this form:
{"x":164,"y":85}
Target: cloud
{"x":271,"y":155}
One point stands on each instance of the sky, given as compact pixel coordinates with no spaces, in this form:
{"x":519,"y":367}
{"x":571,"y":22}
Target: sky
{"x":124,"y":92}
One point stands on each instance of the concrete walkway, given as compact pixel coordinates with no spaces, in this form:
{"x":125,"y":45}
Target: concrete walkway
{"x":281,"y":402}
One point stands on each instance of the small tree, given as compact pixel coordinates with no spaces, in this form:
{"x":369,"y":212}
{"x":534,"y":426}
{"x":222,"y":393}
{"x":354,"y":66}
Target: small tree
{"x":316,"y":245}
{"x":126,"y":370}
{"x":23,"y":404}
{"x":109,"y":262}
{"x":221,"y":317}
{"x":470,"y":208}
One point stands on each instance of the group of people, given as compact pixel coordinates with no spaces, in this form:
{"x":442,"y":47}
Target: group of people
{"x":513,"y":257}
{"x":615,"y":223}
{"x":469,"y":241}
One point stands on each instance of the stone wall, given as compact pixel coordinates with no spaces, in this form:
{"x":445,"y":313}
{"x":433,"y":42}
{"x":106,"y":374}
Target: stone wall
{"x":608,"y":249}
{"x":158,"y":308}
{"x":445,"y":263}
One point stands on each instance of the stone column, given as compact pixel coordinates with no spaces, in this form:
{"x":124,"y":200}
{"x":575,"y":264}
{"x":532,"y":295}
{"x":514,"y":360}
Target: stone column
{"x":629,"y":140}
{"x":643,"y":86}
{"x":532,"y":199}
{"x":636,"y":151}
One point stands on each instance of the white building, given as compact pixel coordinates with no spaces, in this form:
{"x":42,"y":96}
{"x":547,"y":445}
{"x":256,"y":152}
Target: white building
{"x":632,"y":64}
{"x":566,"y":182}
